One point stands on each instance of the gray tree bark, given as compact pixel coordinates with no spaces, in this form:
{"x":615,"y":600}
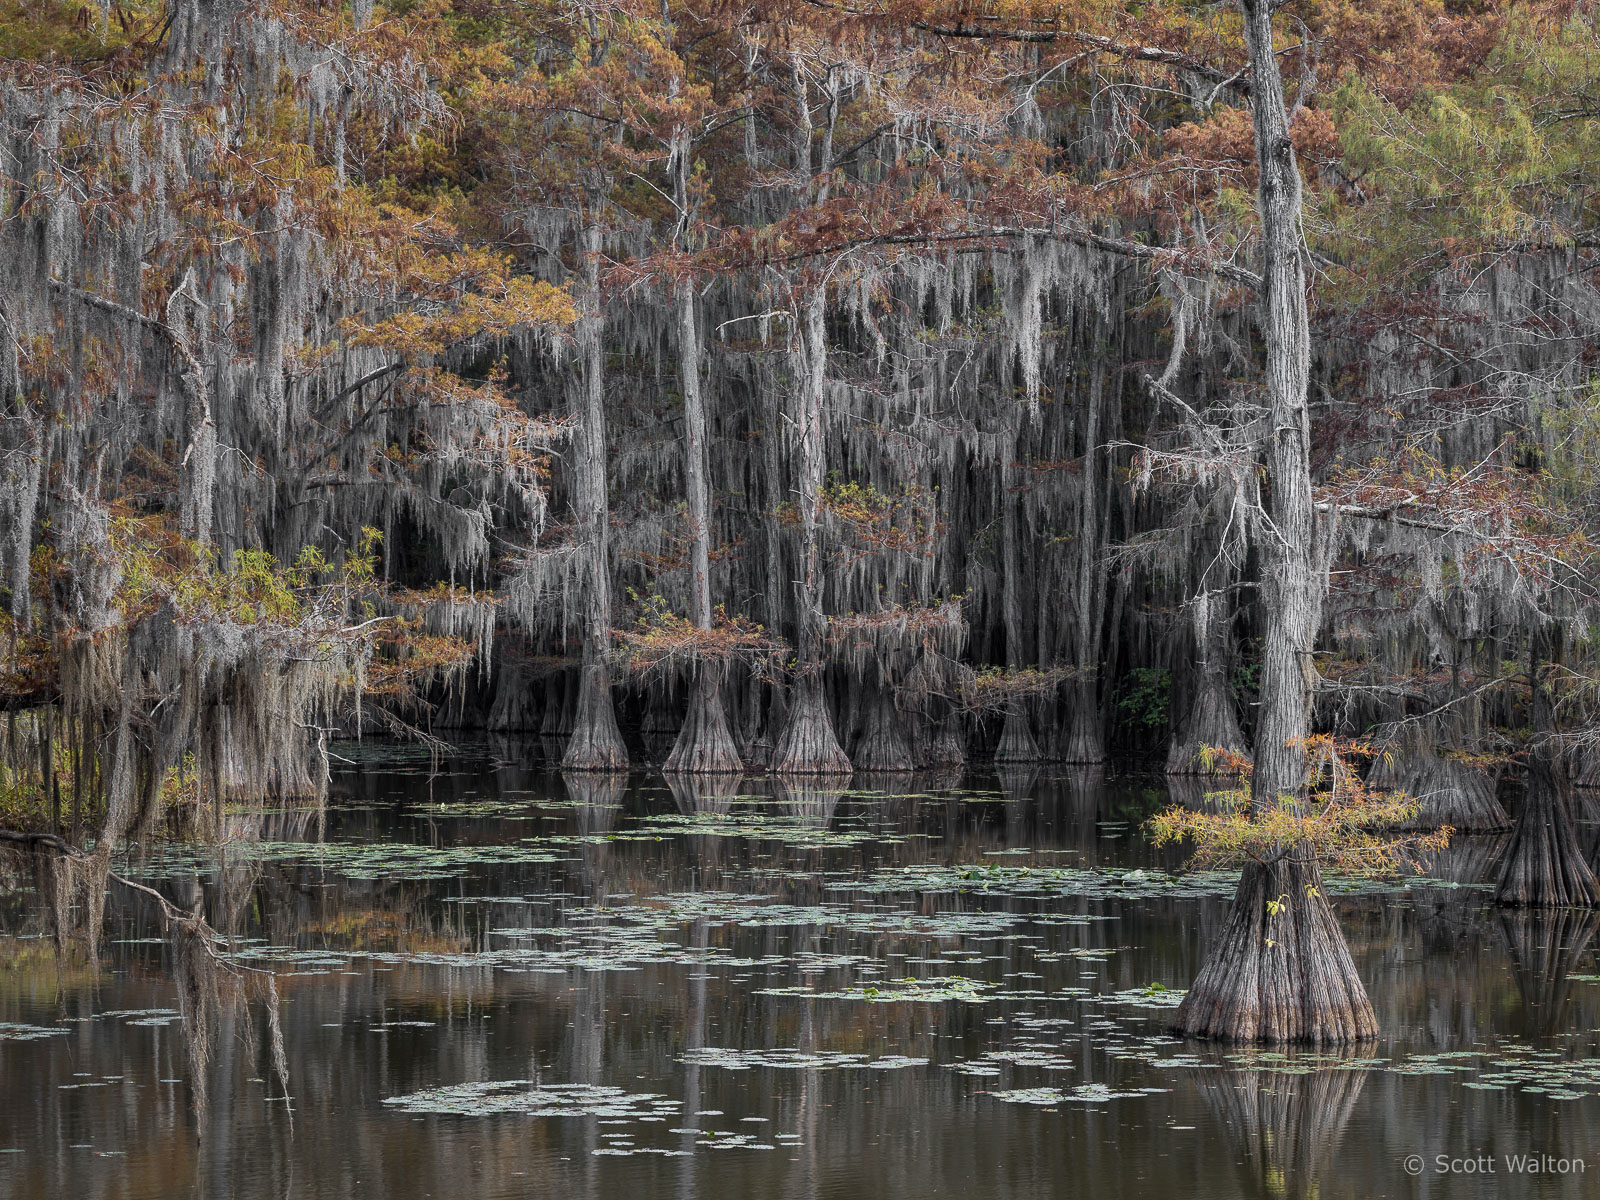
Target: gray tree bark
{"x":1087,"y":741}
{"x":705,"y":743}
{"x":596,"y":742}
{"x":808,"y":744}
{"x":1544,"y":866}
{"x":1282,"y":972}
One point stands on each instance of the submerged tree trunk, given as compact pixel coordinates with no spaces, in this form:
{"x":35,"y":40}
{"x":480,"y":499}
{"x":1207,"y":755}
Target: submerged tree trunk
{"x":705,"y":744}
{"x":808,"y":745}
{"x":515,"y":708}
{"x":596,"y":742}
{"x":1281,"y":971}
{"x":947,"y":747}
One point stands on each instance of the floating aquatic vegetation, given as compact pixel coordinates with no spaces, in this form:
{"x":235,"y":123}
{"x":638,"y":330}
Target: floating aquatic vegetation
{"x":1155,"y":995}
{"x":932,"y":990}
{"x":793,"y":1059}
{"x":994,"y":879}
{"x":504,"y":810}
{"x":807,"y":960}
{"x":393,"y":861}
{"x":1084,"y":1093}
{"x":1102,"y":883}
{"x":11,"y":1032}
{"x":139,"y":1016}
{"x":520,"y":1097}
{"x":1083,"y":953}
{"x":792,"y":830}
{"x":610,"y":1106}
{"x":976,"y":1068}
{"x":757,"y":912}
{"x":622,"y":1151}
{"x":1022,"y":1056}
{"x":715,"y":1140}
{"x":290,"y":956}
{"x":399,"y":860}
{"x":1539,"y":1072}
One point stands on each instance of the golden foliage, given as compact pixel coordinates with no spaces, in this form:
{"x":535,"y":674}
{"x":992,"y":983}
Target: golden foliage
{"x":1339,"y":820}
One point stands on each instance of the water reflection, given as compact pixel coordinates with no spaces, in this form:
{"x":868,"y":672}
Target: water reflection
{"x":1288,"y":1123}
{"x":650,"y":935}
{"x":1546,"y":948}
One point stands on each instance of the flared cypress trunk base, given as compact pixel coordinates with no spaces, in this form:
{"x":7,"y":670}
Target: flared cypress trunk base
{"x":1085,"y":744}
{"x":516,"y":707}
{"x":1016,"y":743}
{"x":1211,"y":725}
{"x":881,"y":746}
{"x":1447,"y":793}
{"x":1586,"y":768}
{"x":808,"y":745}
{"x":596,"y":742}
{"x":946,"y":748}
{"x":705,"y":744}
{"x":1279,"y":976}
{"x":1544,"y":865}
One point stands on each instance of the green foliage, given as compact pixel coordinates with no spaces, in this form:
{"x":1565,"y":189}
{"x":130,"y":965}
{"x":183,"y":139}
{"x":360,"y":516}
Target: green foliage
{"x":360,"y":565}
{"x":1495,"y":159}
{"x":75,"y":30}
{"x":1145,"y":698}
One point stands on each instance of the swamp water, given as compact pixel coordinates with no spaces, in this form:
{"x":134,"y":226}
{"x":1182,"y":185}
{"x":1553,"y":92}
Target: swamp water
{"x":499,"y":982}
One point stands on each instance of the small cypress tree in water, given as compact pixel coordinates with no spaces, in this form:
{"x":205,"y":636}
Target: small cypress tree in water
{"x":1281,"y":971}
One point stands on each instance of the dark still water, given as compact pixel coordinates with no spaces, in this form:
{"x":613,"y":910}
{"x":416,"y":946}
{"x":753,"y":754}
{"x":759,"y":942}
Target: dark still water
{"x":496,"y":982}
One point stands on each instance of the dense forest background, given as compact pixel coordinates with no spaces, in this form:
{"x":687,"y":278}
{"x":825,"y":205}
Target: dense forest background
{"x":800,"y":386}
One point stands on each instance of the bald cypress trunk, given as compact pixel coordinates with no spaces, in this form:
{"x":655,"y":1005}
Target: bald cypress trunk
{"x":1211,"y":720}
{"x":1087,"y":743}
{"x":596,"y":742}
{"x":808,"y":744}
{"x":882,"y":745}
{"x":1017,"y":743}
{"x":1281,"y":971}
{"x":1544,"y":866}
{"x":705,"y":743}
